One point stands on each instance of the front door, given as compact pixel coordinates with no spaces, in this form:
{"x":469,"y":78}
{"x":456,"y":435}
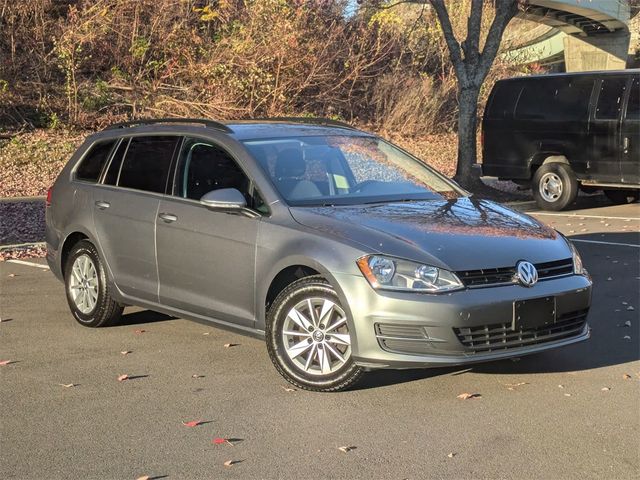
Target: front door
{"x":603,"y":165}
{"x":630,"y":151}
{"x":206,"y":259}
{"x":125,"y":209}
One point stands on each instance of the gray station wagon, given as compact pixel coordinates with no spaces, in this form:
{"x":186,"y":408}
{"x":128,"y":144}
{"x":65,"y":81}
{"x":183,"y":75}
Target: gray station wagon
{"x":343,"y":251}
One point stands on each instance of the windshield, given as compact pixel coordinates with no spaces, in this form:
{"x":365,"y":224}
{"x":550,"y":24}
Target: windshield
{"x":346,"y":170}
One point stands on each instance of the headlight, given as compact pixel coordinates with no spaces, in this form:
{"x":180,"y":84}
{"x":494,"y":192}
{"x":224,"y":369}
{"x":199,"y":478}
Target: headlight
{"x":386,"y":273}
{"x":578,"y":267}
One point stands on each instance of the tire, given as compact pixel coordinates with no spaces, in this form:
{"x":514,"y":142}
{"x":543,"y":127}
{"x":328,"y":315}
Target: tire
{"x":85,"y":283}
{"x":622,"y":196}
{"x":305,"y":371}
{"x":554,"y":186}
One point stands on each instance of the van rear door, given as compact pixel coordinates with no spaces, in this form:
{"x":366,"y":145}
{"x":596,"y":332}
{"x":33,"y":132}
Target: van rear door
{"x":603,"y":165}
{"x":630,"y":151}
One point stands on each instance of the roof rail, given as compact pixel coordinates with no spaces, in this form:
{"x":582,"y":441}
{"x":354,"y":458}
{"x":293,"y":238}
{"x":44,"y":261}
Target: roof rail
{"x":151,"y":121}
{"x":309,"y":120}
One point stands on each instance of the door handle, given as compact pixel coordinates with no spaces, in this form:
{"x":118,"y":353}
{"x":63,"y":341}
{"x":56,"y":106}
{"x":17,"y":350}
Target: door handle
{"x":168,"y":217}
{"x":102,"y":205}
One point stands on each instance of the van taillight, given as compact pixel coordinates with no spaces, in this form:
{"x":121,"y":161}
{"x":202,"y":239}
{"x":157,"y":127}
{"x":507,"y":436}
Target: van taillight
{"x":49,"y":196}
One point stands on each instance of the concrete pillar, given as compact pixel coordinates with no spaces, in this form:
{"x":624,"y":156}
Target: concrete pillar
{"x":606,"y":51}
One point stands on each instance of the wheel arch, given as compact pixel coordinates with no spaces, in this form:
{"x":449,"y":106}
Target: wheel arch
{"x":542,"y":158}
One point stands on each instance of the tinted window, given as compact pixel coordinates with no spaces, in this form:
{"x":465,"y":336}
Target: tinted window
{"x":537,"y":100}
{"x":572,"y":99}
{"x":93,"y":162}
{"x":633,"y":109}
{"x":205,"y":167}
{"x":610,"y":98}
{"x":147,"y":162}
{"x":111,"y":177}
{"x":503,"y":101}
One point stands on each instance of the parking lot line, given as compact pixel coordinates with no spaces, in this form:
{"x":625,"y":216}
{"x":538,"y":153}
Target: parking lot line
{"x":583,"y":216}
{"x":29,"y":264}
{"x":606,"y":243}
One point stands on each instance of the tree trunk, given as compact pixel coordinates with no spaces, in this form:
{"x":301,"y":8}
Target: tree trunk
{"x":467,"y":127}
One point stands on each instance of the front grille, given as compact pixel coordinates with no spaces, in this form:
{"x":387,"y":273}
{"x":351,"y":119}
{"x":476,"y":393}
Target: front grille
{"x":500,"y":336}
{"x":495,"y":276}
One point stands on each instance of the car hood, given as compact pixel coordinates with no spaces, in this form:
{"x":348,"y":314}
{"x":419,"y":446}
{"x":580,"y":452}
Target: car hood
{"x":459,"y":234}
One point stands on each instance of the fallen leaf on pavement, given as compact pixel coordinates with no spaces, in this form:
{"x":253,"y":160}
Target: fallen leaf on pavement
{"x":206,"y":333}
{"x":626,"y":337}
{"x":229,"y":345}
{"x":123,"y":377}
{"x":630,"y":308}
{"x":567,"y":394}
{"x":288,"y":389}
{"x":195,"y":375}
{"x":625,"y":303}
{"x":139,"y":331}
{"x":346,"y":449}
{"x":626,"y":376}
{"x":5,"y":362}
{"x":560,"y":386}
{"x":145,"y":477}
{"x":605,"y":389}
{"x":451,"y":455}
{"x":220,"y":441}
{"x":467,"y":396}
{"x":193,"y":423}
{"x":627,"y":323}
{"x":230,"y":463}
{"x":11,"y":275}
{"x":125,"y":352}
{"x":67,"y":385}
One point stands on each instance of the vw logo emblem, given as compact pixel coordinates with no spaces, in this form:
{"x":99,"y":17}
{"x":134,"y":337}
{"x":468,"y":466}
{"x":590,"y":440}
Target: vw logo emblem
{"x":527,"y":273}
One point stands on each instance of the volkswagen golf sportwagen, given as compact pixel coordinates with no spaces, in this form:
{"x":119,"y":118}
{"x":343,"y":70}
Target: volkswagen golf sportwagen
{"x":343,"y":251}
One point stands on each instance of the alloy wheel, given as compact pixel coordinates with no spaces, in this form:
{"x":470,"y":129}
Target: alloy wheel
{"x":83,"y":284}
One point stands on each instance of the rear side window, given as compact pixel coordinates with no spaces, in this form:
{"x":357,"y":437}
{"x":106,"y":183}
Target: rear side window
{"x":147,"y":163}
{"x":537,"y":99}
{"x":633,"y":109}
{"x":572,"y":100}
{"x":93,"y":162}
{"x":610,"y":98}
{"x":504,"y":98}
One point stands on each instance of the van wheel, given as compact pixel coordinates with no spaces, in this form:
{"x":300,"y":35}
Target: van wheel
{"x":622,"y":196}
{"x":85,"y":282}
{"x":554,"y":186}
{"x":308,"y":338}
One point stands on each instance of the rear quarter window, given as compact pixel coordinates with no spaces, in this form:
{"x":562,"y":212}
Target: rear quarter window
{"x":94,"y":160}
{"x":504,"y":98}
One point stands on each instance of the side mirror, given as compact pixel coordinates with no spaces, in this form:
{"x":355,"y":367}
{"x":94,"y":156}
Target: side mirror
{"x":224,"y":200}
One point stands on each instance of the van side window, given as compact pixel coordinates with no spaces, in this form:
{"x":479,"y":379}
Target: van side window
{"x":572,"y":100}
{"x":204,"y":167}
{"x":610,"y":98}
{"x":537,"y":100}
{"x":93,"y":162}
{"x":147,"y":163}
{"x":633,"y":109}
{"x":504,"y":99}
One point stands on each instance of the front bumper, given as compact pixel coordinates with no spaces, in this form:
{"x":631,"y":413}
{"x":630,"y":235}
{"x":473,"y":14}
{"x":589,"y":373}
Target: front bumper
{"x":409,"y":330}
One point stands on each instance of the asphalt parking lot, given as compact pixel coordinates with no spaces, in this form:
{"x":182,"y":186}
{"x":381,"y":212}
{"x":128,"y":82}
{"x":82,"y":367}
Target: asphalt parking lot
{"x":567,"y":413}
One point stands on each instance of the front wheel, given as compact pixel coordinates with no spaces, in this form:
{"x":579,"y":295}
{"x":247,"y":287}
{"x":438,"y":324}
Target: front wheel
{"x":85,"y":282}
{"x":554,"y":186}
{"x":308,"y":337}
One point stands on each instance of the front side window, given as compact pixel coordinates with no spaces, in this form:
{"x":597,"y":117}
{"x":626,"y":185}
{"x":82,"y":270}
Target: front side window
{"x":147,"y":163}
{"x":204,"y":167}
{"x":610,"y":98}
{"x":346,"y":170}
{"x":93,"y":162}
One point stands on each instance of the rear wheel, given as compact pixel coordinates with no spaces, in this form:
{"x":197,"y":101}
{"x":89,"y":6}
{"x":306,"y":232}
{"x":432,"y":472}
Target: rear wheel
{"x":554,"y":186}
{"x":86,"y":287}
{"x":622,"y":196}
{"x":308,"y":337}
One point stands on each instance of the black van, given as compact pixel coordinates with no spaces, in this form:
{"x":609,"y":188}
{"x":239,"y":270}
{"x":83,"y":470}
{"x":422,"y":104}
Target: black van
{"x":561,"y":132}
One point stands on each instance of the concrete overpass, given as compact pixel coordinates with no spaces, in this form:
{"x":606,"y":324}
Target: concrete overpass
{"x":585,"y":34}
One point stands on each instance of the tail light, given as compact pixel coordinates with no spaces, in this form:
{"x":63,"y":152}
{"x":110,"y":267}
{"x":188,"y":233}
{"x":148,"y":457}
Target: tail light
{"x":49,"y":196}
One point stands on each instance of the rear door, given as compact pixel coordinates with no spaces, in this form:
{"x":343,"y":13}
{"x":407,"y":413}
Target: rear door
{"x":125,"y":209}
{"x":630,"y":151}
{"x":206,"y":259}
{"x":605,"y":134}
